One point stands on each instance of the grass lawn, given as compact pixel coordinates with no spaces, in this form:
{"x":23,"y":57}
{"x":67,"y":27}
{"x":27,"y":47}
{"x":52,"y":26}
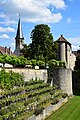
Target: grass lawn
{"x":70,"y":111}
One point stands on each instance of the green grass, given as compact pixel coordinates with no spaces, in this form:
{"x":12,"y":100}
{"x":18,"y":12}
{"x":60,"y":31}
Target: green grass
{"x":70,"y":111}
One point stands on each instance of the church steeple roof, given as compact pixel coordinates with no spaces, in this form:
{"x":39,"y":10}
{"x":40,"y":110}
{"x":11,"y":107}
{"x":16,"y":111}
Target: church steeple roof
{"x":62,"y":39}
{"x":19,"y":34}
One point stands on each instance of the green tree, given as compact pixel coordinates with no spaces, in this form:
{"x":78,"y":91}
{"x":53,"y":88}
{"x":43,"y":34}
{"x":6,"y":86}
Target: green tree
{"x":42,"y":46}
{"x":26,"y":51}
{"x":42,"y":42}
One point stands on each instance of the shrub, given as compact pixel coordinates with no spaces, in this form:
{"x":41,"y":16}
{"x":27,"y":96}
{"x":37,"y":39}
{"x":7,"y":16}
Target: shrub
{"x":62,"y":64}
{"x":41,"y":63}
{"x":54,"y":101}
{"x":38,"y":111}
{"x":52,"y":63}
{"x":33,"y":61}
{"x":64,"y":95}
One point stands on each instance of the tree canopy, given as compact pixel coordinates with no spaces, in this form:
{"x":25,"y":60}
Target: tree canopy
{"x":42,"y":46}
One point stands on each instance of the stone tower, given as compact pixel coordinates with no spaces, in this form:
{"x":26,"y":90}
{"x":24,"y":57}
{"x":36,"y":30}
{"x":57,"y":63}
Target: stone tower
{"x":64,"y":50}
{"x":18,"y":39}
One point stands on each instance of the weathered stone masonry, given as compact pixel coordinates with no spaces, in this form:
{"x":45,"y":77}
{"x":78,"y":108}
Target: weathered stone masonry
{"x":61,"y":77}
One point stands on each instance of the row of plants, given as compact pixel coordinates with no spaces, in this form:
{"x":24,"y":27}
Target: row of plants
{"x":16,"y":110}
{"x":22,"y":62}
{"x":25,"y":96}
{"x":21,"y":90}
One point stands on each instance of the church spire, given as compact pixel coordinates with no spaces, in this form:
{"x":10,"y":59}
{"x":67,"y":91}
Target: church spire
{"x":19,"y":34}
{"x":19,"y":39}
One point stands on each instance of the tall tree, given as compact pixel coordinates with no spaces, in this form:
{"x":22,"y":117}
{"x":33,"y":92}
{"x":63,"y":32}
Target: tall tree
{"x":42,"y":43}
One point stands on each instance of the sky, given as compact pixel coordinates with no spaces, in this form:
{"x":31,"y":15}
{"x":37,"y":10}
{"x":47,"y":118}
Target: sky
{"x":62,"y":16}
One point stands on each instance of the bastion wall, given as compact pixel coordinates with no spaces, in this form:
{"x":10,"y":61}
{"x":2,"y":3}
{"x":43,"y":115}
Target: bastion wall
{"x":62,"y":77}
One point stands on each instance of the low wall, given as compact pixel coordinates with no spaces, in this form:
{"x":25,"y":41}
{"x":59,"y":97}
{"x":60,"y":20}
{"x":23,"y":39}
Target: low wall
{"x":30,"y":73}
{"x":61,"y":77}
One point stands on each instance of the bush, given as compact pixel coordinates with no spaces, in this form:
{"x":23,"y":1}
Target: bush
{"x":64,"y":95}
{"x":33,"y":61}
{"x":54,"y":101}
{"x":41,"y":63}
{"x":38,"y":111}
{"x":52,"y":63}
{"x":62,"y":64}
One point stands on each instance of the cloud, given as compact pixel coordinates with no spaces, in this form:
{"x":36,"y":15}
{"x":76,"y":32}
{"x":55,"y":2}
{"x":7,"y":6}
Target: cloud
{"x":34,"y":10}
{"x":4,"y":36}
{"x":75,"y":48}
{"x":2,"y":15}
{"x":8,"y":22}
{"x":75,"y":41}
{"x":7,"y":29}
{"x":69,"y":20}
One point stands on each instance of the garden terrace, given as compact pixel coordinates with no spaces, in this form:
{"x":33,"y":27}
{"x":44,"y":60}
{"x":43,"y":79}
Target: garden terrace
{"x":15,"y":103}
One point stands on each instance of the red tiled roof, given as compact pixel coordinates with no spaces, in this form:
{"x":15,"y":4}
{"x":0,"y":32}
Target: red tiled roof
{"x":62,"y":39}
{"x":9,"y":52}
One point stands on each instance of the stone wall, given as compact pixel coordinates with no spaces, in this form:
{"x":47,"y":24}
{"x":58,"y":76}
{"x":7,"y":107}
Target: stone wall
{"x":72,"y":61}
{"x":30,"y":73}
{"x":62,"y":77}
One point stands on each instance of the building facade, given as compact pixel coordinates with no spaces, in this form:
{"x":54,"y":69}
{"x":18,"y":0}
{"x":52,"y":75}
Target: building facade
{"x":64,"y":52}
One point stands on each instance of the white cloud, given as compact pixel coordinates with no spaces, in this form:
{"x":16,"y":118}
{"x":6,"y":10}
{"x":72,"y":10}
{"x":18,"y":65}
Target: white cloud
{"x":69,"y":20}
{"x":34,"y":10}
{"x":7,"y":29}
{"x":4,"y":36}
{"x":75,"y":41}
{"x":2,"y":15}
{"x":75,"y":47}
{"x":8,"y":22}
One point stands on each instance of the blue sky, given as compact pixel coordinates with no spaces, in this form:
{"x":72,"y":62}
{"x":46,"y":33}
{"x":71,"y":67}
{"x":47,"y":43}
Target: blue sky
{"x":62,"y":16}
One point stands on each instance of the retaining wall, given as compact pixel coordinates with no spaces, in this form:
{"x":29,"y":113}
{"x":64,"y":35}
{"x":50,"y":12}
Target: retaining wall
{"x":30,"y":73}
{"x":61,"y":77}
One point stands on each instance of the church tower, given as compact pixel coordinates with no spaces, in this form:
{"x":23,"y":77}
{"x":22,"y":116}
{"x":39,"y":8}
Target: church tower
{"x":18,"y":39}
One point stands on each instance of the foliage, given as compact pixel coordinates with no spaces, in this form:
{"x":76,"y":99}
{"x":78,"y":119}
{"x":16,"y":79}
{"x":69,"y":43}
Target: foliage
{"x":54,"y":63}
{"x":54,"y":101}
{"x":10,"y":79}
{"x":38,"y":111}
{"x":77,"y":63}
{"x":22,"y":62}
{"x":41,"y":63}
{"x":42,"y":46}
{"x":26,"y":51}
{"x":31,"y":96}
{"x":64,"y":95}
{"x":34,"y":62}
{"x":13,"y":60}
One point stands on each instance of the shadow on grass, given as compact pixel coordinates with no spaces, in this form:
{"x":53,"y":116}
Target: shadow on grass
{"x":76,"y":91}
